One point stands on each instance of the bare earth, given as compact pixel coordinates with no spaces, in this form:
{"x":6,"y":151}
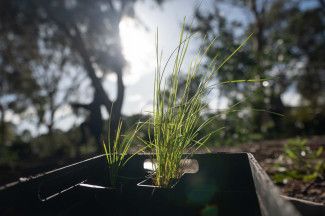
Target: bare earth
{"x":266,"y":153}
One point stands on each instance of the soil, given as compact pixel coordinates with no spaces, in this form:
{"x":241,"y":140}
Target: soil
{"x":267,"y":152}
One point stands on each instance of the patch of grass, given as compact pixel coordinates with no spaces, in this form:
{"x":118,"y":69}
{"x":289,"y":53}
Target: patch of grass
{"x":176,"y":117}
{"x":117,"y":152}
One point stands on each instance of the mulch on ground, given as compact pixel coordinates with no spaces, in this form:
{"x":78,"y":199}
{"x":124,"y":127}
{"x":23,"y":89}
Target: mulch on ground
{"x":267,"y":153}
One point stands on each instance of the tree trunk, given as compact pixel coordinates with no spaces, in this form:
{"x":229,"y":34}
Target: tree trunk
{"x":101,"y":97}
{"x":277,"y":106}
{"x":259,"y":28}
{"x":115,"y":115}
{"x":2,"y":127}
{"x":52,"y":113}
{"x":93,"y":123}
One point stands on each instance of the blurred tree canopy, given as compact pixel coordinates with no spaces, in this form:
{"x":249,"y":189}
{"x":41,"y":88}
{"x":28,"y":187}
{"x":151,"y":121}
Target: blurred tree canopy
{"x":287,"y":49}
{"x":51,"y":52}
{"x":56,"y":54}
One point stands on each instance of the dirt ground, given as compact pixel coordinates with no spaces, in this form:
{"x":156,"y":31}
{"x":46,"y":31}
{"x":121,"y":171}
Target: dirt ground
{"x":267,"y":152}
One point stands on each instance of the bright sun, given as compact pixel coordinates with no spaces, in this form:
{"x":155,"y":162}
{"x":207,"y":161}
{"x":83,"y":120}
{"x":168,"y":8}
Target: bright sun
{"x":137,"y":46}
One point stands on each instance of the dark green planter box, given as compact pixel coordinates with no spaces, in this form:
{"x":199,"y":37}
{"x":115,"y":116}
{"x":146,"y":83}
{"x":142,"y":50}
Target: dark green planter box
{"x":226,"y":184}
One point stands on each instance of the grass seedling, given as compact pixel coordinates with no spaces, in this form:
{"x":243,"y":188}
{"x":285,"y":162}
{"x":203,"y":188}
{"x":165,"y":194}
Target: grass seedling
{"x":117,"y":152}
{"x":176,"y":118}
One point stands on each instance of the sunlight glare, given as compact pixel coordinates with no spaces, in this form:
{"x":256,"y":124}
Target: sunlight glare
{"x":138,"y":49}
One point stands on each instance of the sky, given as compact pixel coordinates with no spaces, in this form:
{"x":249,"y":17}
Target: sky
{"x":139,"y":49}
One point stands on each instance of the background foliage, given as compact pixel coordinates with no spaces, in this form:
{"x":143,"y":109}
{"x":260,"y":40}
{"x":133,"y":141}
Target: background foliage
{"x":51,"y":52}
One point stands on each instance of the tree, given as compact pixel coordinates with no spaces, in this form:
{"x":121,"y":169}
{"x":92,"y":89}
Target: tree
{"x":86,"y":26}
{"x":58,"y":82}
{"x":17,"y":86}
{"x":274,"y":52}
{"x":85,"y":34}
{"x":308,"y":28}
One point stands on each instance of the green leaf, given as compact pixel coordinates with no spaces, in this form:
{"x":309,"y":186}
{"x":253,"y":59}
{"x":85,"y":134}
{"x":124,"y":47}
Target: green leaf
{"x":291,"y":154}
{"x":311,"y":177}
{"x":319,"y":151}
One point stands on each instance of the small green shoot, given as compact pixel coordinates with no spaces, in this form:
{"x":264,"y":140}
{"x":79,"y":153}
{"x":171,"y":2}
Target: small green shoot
{"x":117,"y":152}
{"x":300,"y":162}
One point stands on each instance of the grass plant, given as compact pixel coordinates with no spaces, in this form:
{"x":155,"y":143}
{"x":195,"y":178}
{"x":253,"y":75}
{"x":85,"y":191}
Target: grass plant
{"x":117,"y":151}
{"x":176,"y":117}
